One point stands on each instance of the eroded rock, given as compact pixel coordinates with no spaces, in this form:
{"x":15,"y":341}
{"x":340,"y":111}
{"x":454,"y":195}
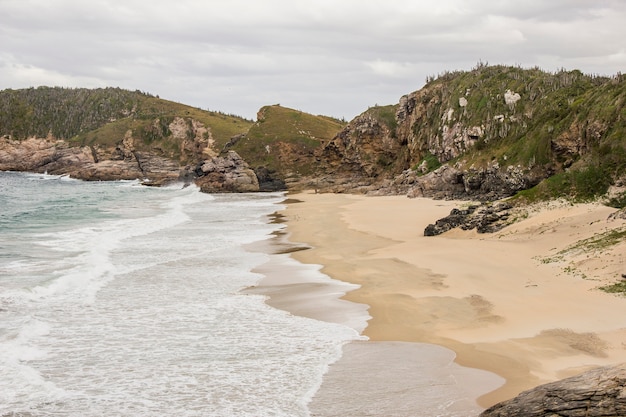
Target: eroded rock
{"x":485,"y":218}
{"x":226,"y":174}
{"x":599,"y":392}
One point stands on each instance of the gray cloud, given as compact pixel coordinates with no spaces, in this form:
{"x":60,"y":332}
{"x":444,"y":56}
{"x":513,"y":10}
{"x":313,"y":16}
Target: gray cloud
{"x":320,"y":56}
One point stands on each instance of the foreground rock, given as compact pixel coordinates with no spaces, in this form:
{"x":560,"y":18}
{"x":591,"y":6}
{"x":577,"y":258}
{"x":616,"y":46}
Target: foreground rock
{"x":485,"y":218}
{"x":600,"y":392}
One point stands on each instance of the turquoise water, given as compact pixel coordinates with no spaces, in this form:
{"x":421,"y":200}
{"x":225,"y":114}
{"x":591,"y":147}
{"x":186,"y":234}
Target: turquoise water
{"x":119,"y":299}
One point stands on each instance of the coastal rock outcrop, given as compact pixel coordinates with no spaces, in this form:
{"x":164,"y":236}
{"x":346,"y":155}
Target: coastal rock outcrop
{"x":599,"y":392}
{"x":483,"y":184}
{"x":366,"y":151}
{"x":485,"y":218}
{"x":55,"y":156}
{"x":430,"y":123}
{"x":226,"y":174}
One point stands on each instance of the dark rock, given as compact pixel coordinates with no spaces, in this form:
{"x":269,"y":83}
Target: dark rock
{"x":599,"y":392}
{"x":486,"y":184}
{"x":485,"y":218}
{"x":361,"y":156}
{"x":269,"y":180}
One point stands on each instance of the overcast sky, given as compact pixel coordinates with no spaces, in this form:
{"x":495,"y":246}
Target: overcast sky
{"x":332,"y":57}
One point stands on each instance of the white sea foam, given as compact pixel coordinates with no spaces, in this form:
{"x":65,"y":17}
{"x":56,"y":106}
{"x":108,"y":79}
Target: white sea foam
{"x":92,"y":247}
{"x":135,"y":309}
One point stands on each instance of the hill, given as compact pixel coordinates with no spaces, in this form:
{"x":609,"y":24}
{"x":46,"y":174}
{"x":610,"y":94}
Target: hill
{"x":110,"y":133}
{"x":490,"y":133}
{"x":102,"y":117}
{"x":113,"y":133}
{"x":281,"y":145}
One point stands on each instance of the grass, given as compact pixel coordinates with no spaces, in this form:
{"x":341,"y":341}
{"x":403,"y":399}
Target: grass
{"x":386,"y":115}
{"x":285,"y":139}
{"x":552,"y":104}
{"x":101,"y":117}
{"x":152,"y":131}
{"x":617,"y":288}
{"x":595,"y":243}
{"x":430,"y":162}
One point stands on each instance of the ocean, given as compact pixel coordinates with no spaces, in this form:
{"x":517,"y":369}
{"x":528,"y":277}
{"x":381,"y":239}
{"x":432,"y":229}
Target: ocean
{"x":118,"y":299}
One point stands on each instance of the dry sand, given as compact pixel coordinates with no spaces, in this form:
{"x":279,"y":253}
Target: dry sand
{"x":509,"y":303}
{"x":522,"y":303}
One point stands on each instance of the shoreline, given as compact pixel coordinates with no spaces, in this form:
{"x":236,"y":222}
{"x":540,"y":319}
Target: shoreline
{"x":511,"y":303}
{"x":302,"y":289}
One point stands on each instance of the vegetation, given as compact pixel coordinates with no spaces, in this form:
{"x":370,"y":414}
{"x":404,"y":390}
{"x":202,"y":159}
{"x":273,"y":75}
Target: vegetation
{"x":598,"y":242}
{"x":429,"y":163}
{"x":285,"y":139}
{"x":617,"y":288}
{"x":566,"y":123}
{"x":103,"y":116}
{"x":386,"y":115}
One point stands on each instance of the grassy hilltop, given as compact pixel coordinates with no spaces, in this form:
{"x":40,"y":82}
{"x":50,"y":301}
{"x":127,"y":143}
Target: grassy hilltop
{"x":284,"y":141}
{"x":101,"y":117}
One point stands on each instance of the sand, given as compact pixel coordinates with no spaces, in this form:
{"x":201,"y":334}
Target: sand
{"x":509,"y":303}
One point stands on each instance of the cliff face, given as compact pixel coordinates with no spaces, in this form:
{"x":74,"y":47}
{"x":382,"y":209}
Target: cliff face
{"x":55,"y":156}
{"x":485,"y":134}
{"x":281,"y":146}
{"x":365,"y":153}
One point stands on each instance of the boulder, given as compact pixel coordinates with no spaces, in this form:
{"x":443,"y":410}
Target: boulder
{"x":485,"y":218}
{"x":229,"y":173}
{"x":599,"y":392}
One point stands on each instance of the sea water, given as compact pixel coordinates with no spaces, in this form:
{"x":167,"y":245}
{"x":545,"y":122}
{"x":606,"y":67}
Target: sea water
{"x":118,"y":299}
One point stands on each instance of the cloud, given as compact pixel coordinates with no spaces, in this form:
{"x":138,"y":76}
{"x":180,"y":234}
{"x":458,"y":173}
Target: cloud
{"x":322,"y":56}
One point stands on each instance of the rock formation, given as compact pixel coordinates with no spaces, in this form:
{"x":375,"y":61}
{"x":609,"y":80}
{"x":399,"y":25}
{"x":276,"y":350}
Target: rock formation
{"x":54,"y":156}
{"x":479,"y":135}
{"x":123,"y":162}
{"x":485,"y":184}
{"x":226,"y":174}
{"x":599,"y":392}
{"x":485,"y":218}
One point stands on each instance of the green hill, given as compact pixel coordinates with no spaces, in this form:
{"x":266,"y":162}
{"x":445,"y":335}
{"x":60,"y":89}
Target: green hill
{"x":566,"y":126}
{"x":283,"y":141}
{"x":102,"y":117}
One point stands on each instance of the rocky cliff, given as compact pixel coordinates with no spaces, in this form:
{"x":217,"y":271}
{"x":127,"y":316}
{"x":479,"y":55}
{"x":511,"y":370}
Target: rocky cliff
{"x":484,"y":134}
{"x":55,"y":156}
{"x":111,"y":134}
{"x":281,"y":147}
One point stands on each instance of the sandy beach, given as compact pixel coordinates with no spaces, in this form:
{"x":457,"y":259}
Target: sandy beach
{"x":517,"y":303}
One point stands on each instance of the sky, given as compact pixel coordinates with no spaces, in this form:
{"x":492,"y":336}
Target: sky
{"x":330,"y":57}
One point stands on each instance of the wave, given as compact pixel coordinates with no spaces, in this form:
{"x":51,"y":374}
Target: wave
{"x":93,"y":265}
